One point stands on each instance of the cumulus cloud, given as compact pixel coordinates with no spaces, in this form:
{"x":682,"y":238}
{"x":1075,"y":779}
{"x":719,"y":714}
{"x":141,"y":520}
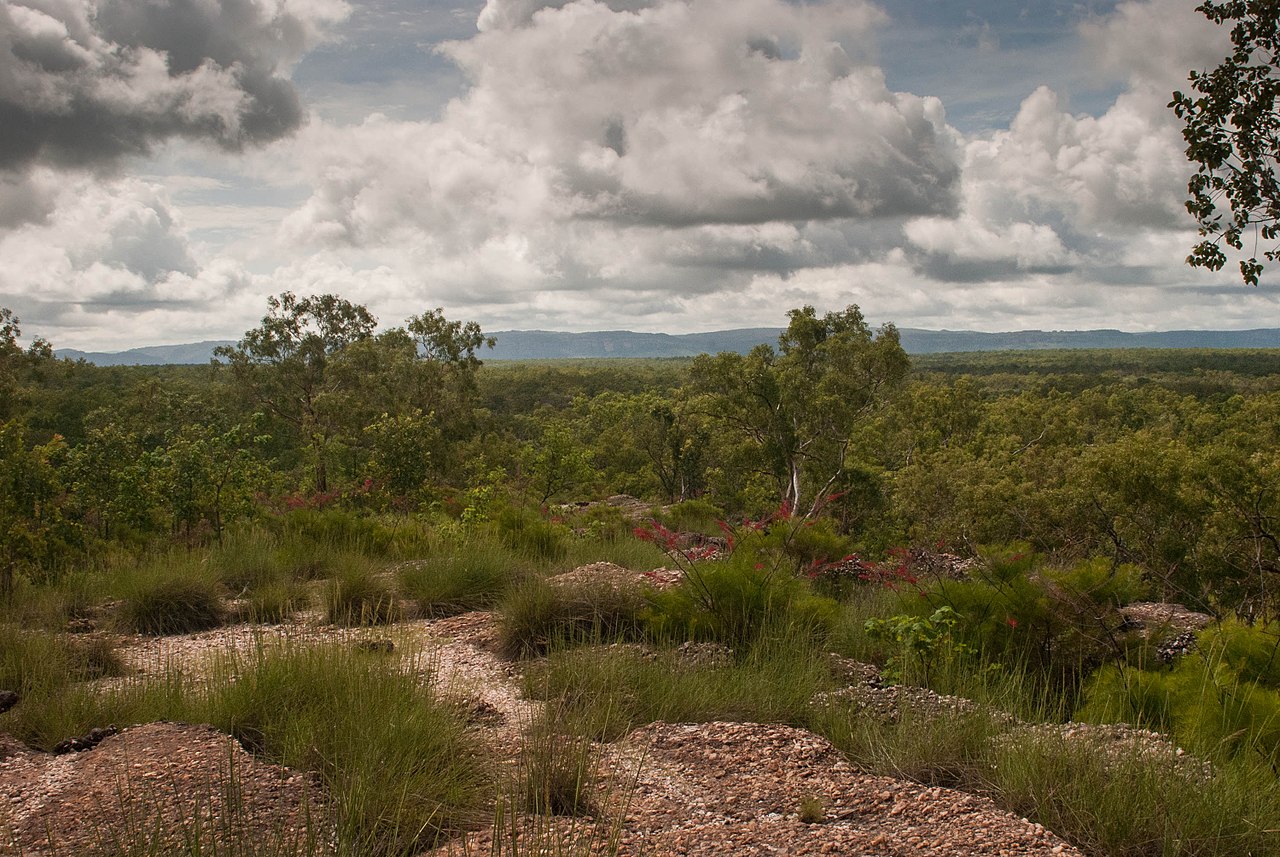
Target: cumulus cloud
{"x":106,"y":243}
{"x":1058,"y":191}
{"x":672,"y":114}
{"x":83,"y":82}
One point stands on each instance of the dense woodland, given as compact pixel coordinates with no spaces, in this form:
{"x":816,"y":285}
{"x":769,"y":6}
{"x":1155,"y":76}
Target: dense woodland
{"x":818,"y":495}
{"x":1163,"y":459}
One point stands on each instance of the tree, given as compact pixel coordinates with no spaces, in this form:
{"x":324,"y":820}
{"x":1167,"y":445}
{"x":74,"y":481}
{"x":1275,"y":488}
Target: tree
{"x":1232,"y":130}
{"x":14,"y":362}
{"x":316,"y":365}
{"x":284,"y":363}
{"x":796,"y":408}
{"x":33,"y":530}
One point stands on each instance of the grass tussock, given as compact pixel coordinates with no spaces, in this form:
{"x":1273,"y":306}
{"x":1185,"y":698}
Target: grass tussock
{"x":359,"y":594}
{"x":461,"y":575}
{"x":558,"y":770}
{"x":171,"y":594}
{"x":537,"y":615}
{"x":395,"y":759}
{"x":606,"y":692}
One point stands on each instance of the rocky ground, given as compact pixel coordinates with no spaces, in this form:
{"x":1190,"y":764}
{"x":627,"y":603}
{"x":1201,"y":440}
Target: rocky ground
{"x":705,"y":789}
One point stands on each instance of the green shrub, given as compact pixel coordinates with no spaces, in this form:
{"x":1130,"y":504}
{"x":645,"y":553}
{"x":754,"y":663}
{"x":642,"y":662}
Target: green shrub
{"x":1252,"y":652}
{"x":1218,"y":700}
{"x":920,"y":644}
{"x":1102,"y":582}
{"x":1054,"y":624}
{"x":737,"y":601}
{"x":171,"y":595}
{"x":357,"y":594}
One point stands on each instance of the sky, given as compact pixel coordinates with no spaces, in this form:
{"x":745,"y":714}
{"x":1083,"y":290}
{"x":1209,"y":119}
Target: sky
{"x":651,"y":165}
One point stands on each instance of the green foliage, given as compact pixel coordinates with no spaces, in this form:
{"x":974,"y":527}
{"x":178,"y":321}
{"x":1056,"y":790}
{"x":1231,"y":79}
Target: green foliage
{"x":113,"y":483}
{"x":1057,"y":624}
{"x":34,"y":663}
{"x":1133,"y":803}
{"x":921,"y":642}
{"x":208,"y":475}
{"x":558,"y":770}
{"x":34,"y":534}
{"x":738,"y":601}
{"x":401,"y":457}
{"x":1231,"y":128}
{"x":605,"y":693}
{"x":1101,"y":582}
{"x":790,"y":413}
{"x":555,"y":462}
{"x":693,"y":516}
{"x":336,"y":529}
{"x":1223,"y":699}
{"x":171,"y":594}
{"x":529,"y":535}
{"x":395,"y":759}
{"x":467,"y":574}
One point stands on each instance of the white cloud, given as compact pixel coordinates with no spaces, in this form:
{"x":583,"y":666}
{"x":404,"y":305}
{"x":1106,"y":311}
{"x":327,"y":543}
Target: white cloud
{"x":656,"y":165}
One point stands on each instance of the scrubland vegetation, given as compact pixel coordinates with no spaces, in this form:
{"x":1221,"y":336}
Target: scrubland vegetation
{"x":809,"y":494}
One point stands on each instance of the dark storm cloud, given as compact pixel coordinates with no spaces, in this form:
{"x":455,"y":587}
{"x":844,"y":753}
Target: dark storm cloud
{"x":82,"y":84}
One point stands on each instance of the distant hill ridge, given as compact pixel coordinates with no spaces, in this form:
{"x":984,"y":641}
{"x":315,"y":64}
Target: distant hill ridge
{"x":553,"y":345}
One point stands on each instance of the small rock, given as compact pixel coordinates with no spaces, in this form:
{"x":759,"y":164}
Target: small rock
{"x":85,"y":742}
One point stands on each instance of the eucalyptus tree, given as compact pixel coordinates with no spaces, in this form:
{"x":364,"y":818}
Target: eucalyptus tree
{"x":793,"y":411}
{"x":316,"y":365}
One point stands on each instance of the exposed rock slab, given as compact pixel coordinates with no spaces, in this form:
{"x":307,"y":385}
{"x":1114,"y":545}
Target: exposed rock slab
{"x":751,"y":789}
{"x":156,"y":788}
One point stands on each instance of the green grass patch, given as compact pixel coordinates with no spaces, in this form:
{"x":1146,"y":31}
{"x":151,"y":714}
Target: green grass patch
{"x":537,"y":615}
{"x":606,"y":692}
{"x":461,"y":575}
{"x":396,"y":760}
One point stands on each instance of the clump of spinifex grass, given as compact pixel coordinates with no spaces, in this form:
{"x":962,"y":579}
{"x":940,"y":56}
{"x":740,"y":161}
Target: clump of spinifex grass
{"x":358,"y":595}
{"x":461,"y":575}
{"x":34,"y":660}
{"x":395,"y":759}
{"x":537,"y":615}
{"x":170,"y":594}
{"x":1114,"y":800}
{"x":622,"y":549}
{"x":558,"y":770}
{"x":1137,"y":803}
{"x":398,"y":769}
